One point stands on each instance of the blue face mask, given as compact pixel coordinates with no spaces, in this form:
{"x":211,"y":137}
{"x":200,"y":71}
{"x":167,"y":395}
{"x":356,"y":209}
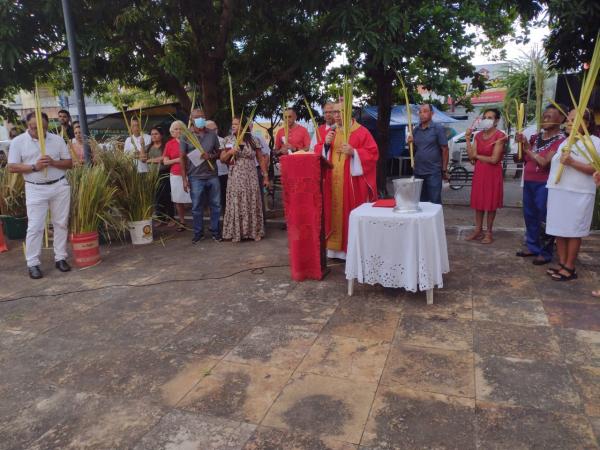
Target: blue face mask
{"x":200,"y":122}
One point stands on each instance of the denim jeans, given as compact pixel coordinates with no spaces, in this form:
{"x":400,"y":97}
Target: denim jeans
{"x":432,"y":188}
{"x":535,"y":198}
{"x":199,"y":190}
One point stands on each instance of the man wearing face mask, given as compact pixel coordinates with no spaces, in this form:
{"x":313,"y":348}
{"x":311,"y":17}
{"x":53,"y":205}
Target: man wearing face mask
{"x":200,"y":178}
{"x":537,"y":155}
{"x":431,"y":154}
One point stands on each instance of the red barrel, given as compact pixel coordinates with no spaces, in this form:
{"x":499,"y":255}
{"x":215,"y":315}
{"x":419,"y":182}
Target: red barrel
{"x":86,"y":250}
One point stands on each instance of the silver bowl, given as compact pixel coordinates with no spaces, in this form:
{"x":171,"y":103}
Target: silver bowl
{"x":407,"y":192}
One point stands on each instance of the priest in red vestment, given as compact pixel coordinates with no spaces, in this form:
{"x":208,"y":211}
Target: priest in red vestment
{"x":350,"y":183}
{"x":323,"y":129}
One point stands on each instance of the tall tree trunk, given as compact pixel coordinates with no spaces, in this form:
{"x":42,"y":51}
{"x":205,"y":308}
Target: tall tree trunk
{"x":183,"y":98}
{"x":210,"y":79}
{"x":384,"y":80}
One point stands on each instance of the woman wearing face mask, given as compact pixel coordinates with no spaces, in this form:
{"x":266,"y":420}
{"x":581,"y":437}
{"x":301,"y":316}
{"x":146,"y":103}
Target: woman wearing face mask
{"x":171,"y":158}
{"x":243,"y":211}
{"x":487,"y":191}
{"x":571,"y":200}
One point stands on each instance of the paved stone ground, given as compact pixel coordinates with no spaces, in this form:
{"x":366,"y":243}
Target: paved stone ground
{"x":173,"y":346}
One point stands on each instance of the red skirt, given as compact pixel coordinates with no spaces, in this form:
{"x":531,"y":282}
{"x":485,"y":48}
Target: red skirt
{"x":487,"y":193}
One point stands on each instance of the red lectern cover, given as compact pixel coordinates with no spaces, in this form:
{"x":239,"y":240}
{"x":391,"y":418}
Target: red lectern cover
{"x":303,"y":202}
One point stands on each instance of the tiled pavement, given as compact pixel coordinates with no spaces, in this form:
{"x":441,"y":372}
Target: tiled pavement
{"x":505,"y":358}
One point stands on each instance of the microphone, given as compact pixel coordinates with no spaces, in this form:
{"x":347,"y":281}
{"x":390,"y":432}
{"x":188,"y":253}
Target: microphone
{"x":331,"y":128}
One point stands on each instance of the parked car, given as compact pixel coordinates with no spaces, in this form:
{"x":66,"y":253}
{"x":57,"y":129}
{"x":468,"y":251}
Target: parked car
{"x":457,"y":147}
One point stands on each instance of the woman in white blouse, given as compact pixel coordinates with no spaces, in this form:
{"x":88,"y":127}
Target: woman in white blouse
{"x":571,"y":200}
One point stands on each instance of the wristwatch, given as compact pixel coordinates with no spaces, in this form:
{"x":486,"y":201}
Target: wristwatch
{"x":33,"y":168}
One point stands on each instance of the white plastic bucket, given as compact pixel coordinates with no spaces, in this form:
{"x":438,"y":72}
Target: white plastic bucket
{"x":140,"y":231}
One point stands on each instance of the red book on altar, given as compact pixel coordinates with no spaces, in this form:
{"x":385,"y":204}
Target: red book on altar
{"x":301,"y":177}
{"x":385,"y":203}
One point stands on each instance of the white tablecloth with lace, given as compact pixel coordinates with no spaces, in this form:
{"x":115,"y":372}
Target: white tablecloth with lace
{"x":400,"y":250}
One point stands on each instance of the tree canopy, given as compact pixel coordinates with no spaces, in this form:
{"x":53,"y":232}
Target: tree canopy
{"x":573,"y":31}
{"x":275,"y":51}
{"x":428,"y":43}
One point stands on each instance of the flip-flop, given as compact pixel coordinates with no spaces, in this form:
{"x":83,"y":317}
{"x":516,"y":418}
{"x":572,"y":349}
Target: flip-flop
{"x":180,"y":229}
{"x":487,"y":239}
{"x":475,"y":236}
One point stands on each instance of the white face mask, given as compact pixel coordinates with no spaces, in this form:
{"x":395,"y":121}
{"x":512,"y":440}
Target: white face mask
{"x":486,"y":124}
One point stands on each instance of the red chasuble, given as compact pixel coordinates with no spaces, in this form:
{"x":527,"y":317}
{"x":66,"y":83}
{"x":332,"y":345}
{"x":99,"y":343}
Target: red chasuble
{"x":323,"y":130}
{"x":344,"y":189}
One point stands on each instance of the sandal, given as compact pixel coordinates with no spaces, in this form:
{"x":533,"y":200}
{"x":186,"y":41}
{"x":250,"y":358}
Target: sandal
{"x":180,"y":228}
{"x":488,"y":239}
{"x":560,"y":277}
{"x":475,"y":236}
{"x":552,"y":270}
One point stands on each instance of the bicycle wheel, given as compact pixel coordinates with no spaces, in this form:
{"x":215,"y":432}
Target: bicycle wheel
{"x":458,"y":177}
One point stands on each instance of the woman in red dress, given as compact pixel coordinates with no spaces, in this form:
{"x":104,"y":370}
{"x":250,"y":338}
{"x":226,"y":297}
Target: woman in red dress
{"x":487,"y":191}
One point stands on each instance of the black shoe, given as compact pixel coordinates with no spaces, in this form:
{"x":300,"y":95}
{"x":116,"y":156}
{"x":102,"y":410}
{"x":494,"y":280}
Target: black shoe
{"x":62,"y":265}
{"x":35,"y":272}
{"x":540,"y":262}
{"x":197,"y":239}
{"x":284,"y":227}
{"x":217,"y":238}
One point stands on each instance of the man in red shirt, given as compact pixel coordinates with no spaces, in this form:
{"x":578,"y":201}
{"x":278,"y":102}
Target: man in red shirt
{"x":537,"y":154}
{"x":298,"y":136}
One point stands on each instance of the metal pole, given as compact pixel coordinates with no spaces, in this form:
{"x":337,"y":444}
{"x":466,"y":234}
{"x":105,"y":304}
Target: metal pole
{"x":74,"y":57}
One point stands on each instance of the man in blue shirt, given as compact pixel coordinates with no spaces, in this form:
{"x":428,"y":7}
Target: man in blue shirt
{"x":431,"y":155}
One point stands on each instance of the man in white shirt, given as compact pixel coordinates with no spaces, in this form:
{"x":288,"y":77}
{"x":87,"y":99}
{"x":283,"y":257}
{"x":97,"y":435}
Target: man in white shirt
{"x":222,"y":168}
{"x":138,"y":145}
{"x":45,"y":187}
{"x":265,"y":151}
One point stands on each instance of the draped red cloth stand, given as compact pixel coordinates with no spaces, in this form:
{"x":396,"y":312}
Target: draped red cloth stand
{"x":302,"y":179}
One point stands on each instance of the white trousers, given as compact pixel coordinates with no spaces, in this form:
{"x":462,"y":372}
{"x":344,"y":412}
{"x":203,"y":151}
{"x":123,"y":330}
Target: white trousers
{"x":40,"y":198}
